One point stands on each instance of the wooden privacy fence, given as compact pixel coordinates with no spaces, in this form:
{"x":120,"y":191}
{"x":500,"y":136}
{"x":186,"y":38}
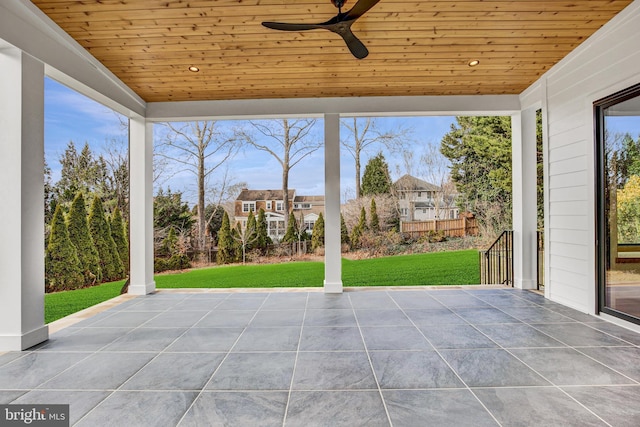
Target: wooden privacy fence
{"x":459,"y":227}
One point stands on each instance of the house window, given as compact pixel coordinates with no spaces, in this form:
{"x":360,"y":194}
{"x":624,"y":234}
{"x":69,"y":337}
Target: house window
{"x":279,"y":206}
{"x":248,"y":206}
{"x":419,"y":193}
{"x":269,"y":205}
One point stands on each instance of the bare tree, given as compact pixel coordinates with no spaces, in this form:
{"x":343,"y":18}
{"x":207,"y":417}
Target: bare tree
{"x":246,"y":236}
{"x":116,"y":157}
{"x":199,"y":148}
{"x":435,"y":168}
{"x":220,"y":193}
{"x":289,"y":141}
{"x":364,"y":133}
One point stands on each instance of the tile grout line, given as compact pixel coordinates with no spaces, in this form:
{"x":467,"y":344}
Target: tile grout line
{"x":575,"y":348}
{"x":373,"y":371}
{"x":368,"y":352}
{"x":557,"y":387}
{"x":295,"y":363}
{"x":89,"y":354}
{"x":206,"y":384}
{"x":445,"y":360}
{"x":143,"y":366}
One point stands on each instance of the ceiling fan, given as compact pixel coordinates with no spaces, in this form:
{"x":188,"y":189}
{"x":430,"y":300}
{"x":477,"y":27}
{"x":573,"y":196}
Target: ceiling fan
{"x":339,"y":24}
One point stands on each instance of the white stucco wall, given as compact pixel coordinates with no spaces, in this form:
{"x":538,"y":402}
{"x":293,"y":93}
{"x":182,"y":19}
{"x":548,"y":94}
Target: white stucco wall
{"x":604,"y":64}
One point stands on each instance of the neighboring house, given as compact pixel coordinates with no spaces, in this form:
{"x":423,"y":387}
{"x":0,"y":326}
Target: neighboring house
{"x":419,"y":200}
{"x":272,"y":201}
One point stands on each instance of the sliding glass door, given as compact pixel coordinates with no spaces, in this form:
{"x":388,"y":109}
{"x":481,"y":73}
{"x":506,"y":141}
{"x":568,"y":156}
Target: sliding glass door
{"x":618,"y":173}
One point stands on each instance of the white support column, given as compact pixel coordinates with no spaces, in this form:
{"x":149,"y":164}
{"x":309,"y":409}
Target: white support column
{"x":21,"y":201}
{"x":141,"y":206}
{"x":523,"y":131}
{"x":332,"y":245}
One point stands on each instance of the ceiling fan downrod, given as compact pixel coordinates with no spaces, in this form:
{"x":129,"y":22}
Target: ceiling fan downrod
{"x":339,"y":4}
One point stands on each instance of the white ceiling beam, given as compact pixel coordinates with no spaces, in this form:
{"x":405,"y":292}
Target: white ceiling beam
{"x":316,"y":107}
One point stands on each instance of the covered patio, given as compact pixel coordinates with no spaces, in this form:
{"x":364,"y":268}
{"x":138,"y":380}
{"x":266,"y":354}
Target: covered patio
{"x":467,"y":356}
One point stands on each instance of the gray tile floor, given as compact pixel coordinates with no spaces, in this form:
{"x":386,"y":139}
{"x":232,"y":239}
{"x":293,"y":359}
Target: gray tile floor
{"x":454,"y":357}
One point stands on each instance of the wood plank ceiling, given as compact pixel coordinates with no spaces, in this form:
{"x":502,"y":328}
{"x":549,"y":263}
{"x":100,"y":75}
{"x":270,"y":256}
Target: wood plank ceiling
{"x":416,"y":47}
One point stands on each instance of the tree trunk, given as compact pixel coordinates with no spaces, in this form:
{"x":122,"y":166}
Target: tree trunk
{"x":357,"y":151}
{"x":285,"y":193}
{"x":201,"y":214}
{"x":285,"y":172}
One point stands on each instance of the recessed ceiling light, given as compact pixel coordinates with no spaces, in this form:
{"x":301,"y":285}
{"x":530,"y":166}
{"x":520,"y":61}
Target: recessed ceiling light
{"x":473,"y":63}
{"x":194,"y":69}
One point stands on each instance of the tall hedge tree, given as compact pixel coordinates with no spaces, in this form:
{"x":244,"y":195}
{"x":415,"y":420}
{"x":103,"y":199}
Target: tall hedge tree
{"x":110,"y":263}
{"x":250,"y":233}
{"x":375,"y":221}
{"x":263,"y":240}
{"x":119,"y":235}
{"x":63,"y":270}
{"x":359,"y":229}
{"x":226,"y":243}
{"x":344,"y":232}
{"x":291,"y":235}
{"x":376,"y":178}
{"x":81,"y":239}
{"x":317,"y":235}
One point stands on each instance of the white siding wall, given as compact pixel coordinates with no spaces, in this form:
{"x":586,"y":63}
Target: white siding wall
{"x":606,"y":63}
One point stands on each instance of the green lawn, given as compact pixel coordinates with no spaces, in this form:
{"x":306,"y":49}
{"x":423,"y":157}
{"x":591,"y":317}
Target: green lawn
{"x":439,"y":268}
{"x":60,"y":304}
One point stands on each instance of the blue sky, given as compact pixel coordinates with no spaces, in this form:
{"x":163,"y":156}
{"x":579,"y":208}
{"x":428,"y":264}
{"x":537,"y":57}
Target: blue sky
{"x":70,"y":116}
{"x":623,"y":124}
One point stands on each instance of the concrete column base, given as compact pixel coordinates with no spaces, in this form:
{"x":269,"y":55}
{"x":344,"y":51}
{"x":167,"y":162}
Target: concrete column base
{"x":524,"y":284}
{"x":332,"y":287}
{"x":142,"y":289}
{"x":24,"y":341}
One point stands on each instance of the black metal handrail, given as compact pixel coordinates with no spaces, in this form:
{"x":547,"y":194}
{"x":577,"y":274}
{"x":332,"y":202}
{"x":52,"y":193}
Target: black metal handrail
{"x":496,"y":263}
{"x":540,"y":260}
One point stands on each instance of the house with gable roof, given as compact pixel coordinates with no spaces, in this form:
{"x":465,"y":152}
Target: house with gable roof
{"x":420,"y":200}
{"x":305,"y":208}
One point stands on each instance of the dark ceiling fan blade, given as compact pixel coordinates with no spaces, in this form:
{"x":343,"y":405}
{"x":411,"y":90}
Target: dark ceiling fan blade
{"x":357,"y":48}
{"x":360,"y":9}
{"x":339,"y":24}
{"x":292,"y":27}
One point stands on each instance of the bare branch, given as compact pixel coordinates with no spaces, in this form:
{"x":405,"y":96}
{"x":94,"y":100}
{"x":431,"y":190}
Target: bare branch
{"x":364,"y":135}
